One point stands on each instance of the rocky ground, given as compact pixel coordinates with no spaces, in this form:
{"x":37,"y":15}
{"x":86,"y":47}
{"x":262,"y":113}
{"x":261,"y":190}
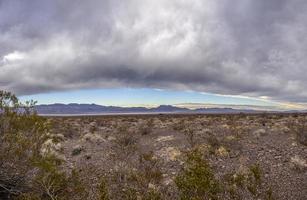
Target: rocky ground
{"x":145,"y":157}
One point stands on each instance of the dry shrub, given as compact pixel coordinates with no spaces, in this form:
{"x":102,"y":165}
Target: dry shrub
{"x":299,"y":127}
{"x":250,"y":182}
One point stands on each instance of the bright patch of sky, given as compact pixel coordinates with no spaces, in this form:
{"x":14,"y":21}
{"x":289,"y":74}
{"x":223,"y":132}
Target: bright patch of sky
{"x":142,"y":97}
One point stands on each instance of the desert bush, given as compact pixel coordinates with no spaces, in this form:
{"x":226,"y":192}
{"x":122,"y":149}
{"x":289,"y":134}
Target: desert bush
{"x":138,"y":182}
{"x":144,"y":130}
{"x":152,"y":195}
{"x":250,"y":181}
{"x":147,"y":127}
{"x":147,"y":173}
{"x":149,"y":168}
{"x":49,"y":182}
{"x":299,"y":128}
{"x":254,"y":180}
{"x":126,"y":142}
{"x":180,"y":125}
{"x":235,"y":127}
{"x":103,"y":190}
{"x":191,"y":136}
{"x":214,"y":143}
{"x":264,"y":118}
{"x":302,"y":133}
{"x":22,"y":134}
{"x":299,"y":164}
{"x":60,"y":126}
{"x":26,"y":173}
{"x":197,"y":180}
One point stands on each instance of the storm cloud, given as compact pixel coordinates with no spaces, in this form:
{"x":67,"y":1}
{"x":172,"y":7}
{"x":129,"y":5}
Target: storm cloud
{"x":239,"y":47}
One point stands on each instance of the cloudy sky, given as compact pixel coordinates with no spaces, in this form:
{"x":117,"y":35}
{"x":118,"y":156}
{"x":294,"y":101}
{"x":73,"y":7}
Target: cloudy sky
{"x":256,"y":49}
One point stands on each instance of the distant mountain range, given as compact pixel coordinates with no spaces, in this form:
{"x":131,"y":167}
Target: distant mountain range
{"x":88,"y":109}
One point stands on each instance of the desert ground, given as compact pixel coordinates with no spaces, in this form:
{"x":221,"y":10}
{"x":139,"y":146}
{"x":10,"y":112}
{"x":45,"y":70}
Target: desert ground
{"x":260,"y":156}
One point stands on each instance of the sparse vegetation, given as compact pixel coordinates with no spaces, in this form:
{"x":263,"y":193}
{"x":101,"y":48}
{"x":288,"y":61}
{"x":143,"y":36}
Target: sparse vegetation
{"x":150,"y":157}
{"x":300,"y":129}
{"x":22,"y":134}
{"x":237,"y":184}
{"x":197,"y":180}
{"x":214,"y":143}
{"x":103,"y":190}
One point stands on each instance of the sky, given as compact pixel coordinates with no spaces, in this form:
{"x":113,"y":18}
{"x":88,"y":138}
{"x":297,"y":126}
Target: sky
{"x":161,"y":51}
{"x":142,"y":97}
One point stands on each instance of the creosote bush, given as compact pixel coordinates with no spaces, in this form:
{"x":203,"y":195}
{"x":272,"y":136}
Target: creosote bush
{"x":26,"y":173}
{"x":22,"y":134}
{"x":197,"y":180}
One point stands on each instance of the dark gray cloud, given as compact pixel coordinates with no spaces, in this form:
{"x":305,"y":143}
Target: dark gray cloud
{"x":239,"y":47}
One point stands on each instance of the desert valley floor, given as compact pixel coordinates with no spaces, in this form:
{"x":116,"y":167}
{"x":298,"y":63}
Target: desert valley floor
{"x":261,"y":156}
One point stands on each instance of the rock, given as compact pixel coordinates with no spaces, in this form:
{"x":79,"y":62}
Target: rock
{"x":260,"y":132}
{"x":285,"y":129}
{"x":298,"y":163}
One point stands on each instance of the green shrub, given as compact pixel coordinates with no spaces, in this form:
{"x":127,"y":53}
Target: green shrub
{"x":25,"y":173}
{"x":256,"y":172}
{"x":197,"y":181}
{"x":149,"y":168}
{"x":152,"y":195}
{"x":103,"y":190}
{"x":76,"y":151}
{"x":22,"y":133}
